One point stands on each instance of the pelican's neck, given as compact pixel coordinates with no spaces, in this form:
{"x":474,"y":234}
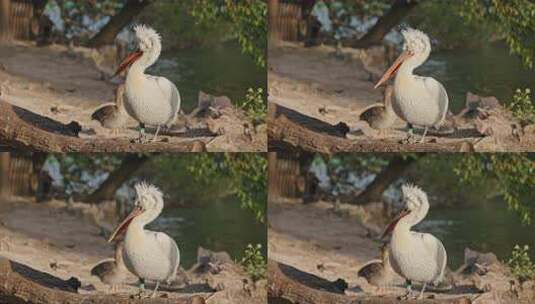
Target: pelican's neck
{"x":408,"y":66}
{"x":148,"y":58}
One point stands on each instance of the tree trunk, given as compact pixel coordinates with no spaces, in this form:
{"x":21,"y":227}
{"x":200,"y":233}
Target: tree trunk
{"x":131,"y":163}
{"x":118,"y":22}
{"x":5,"y":12}
{"x":273,"y":10}
{"x":393,"y":17}
{"x":397,"y":166}
{"x":284,"y":175}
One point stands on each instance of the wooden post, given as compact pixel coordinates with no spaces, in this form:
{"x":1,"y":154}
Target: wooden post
{"x":273,"y":11}
{"x":4,"y":174}
{"x":5,"y":12}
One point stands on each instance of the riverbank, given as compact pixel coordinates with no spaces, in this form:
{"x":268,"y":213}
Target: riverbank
{"x":297,"y":237}
{"x":317,"y":95}
{"x":34,"y":235}
{"x":67,"y":84}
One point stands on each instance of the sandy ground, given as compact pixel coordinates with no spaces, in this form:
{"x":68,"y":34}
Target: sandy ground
{"x":326,"y":241}
{"x":309,"y":79}
{"x":56,"y":82}
{"x":36,"y":235}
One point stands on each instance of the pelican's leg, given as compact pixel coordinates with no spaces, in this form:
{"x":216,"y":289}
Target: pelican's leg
{"x":141,"y":287}
{"x":408,"y":291}
{"x":155,"y":289}
{"x":423,"y":136}
{"x":156,"y":134}
{"x":141,"y":132}
{"x":421,"y":296}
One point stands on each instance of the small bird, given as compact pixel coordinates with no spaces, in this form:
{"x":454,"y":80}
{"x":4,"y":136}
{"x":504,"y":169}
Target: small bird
{"x":150,"y":100}
{"x":380,"y":116}
{"x":415,"y":256}
{"x":113,"y":272}
{"x":148,"y":254}
{"x":421,"y":101}
{"x":377,"y":272}
{"x":112,"y":116}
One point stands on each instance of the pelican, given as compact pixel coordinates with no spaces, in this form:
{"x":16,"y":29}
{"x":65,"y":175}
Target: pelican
{"x":377,"y":272}
{"x":112,"y":272}
{"x":421,"y":101}
{"x":147,"y":254}
{"x":112,"y":116}
{"x":151,"y":100}
{"x":415,"y":256}
{"x":380,"y":116}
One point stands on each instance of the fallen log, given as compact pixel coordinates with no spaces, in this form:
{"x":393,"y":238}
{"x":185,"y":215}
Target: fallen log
{"x":300,"y":287}
{"x":24,"y":129}
{"x":290,"y":129}
{"x":22,"y":284}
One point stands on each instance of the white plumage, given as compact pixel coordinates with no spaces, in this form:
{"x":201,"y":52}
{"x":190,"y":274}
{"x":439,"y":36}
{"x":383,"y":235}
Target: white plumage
{"x":147,"y":254}
{"x":421,"y":101}
{"x":151,"y":100}
{"x":419,"y":257}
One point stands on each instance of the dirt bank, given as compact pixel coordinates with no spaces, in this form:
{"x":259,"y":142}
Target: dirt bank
{"x":64,"y":240}
{"x":332,"y":243}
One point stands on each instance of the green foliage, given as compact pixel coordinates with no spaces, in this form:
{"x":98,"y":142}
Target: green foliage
{"x":522,"y":107}
{"x":254,"y":262}
{"x":245,"y":174}
{"x":514,"y":20}
{"x":179,"y":28}
{"x":248,"y":19}
{"x":513,"y":172}
{"x":254,"y":104}
{"x":521,"y":265}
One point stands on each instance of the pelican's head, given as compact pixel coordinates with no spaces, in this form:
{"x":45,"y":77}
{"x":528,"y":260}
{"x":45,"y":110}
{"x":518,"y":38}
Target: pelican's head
{"x":148,"y":205}
{"x":149,"y":48}
{"x":416,"y":207}
{"x":416,"y":49}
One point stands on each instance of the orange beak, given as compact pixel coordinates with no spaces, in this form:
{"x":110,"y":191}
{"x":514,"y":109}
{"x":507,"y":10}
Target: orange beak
{"x":394,"y":222}
{"x":393,"y":68}
{"x":128,"y":61}
{"x":124,"y":224}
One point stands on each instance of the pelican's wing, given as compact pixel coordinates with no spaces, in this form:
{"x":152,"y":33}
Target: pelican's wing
{"x":168,"y":91}
{"x":436,"y":249}
{"x":169,"y":247}
{"x":438,"y":92}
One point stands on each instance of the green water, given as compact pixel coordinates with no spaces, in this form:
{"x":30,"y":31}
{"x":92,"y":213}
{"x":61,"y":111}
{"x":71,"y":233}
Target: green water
{"x":488,"y":70}
{"x":486,"y":227}
{"x":218,"y":226}
{"x":217,"y":70}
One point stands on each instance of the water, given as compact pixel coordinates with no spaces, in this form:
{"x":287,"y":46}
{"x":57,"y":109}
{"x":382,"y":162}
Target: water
{"x":218,"y":226}
{"x":217,"y":70}
{"x":488,"y":70}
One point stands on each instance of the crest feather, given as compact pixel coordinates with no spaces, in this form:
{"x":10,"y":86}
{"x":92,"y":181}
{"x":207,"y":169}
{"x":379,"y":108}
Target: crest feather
{"x":146,"y":32}
{"x":415,"y":40}
{"x":144,"y":188}
{"x":410,"y":190}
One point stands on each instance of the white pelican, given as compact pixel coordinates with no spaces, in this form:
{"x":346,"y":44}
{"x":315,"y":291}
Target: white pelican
{"x":112,"y":272}
{"x":415,"y":256}
{"x":147,"y":254}
{"x":420,"y":101}
{"x":150,"y":100}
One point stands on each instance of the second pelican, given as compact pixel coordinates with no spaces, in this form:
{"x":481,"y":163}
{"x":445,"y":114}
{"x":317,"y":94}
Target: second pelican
{"x":419,"y":257}
{"x":147,"y":254}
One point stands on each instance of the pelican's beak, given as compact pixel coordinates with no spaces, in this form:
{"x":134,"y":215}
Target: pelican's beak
{"x":393,"y":223}
{"x":394,"y":68}
{"x":129,"y":60}
{"x":124,"y":224}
